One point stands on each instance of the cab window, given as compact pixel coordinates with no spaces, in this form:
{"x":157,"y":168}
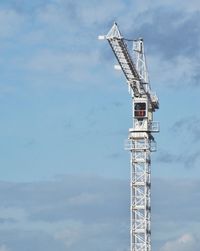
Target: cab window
{"x":140,"y":109}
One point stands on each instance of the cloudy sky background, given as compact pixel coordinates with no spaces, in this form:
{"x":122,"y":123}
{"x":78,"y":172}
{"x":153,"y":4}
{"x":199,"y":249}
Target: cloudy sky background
{"x":65,"y":114}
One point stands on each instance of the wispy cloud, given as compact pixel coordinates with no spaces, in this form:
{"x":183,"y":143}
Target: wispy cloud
{"x":188,"y":126}
{"x":4,"y":248}
{"x":77,"y":214}
{"x":62,"y":37}
{"x":186,"y":153}
{"x":167,"y":157}
{"x":168,"y":42}
{"x":186,"y":242}
{"x":186,"y":159}
{"x":67,"y":212}
{"x":54,"y":43}
{"x":11,"y":23}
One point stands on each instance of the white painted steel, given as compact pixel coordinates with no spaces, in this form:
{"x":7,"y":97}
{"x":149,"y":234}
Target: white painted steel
{"x":140,"y":141}
{"x":101,"y":37}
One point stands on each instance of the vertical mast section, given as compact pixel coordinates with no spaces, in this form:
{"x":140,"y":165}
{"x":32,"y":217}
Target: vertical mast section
{"x":140,"y":141}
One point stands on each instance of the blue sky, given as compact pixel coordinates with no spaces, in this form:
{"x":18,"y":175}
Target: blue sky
{"x":65,"y":114}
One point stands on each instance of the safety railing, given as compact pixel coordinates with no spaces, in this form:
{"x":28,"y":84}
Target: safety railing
{"x":154,"y":126}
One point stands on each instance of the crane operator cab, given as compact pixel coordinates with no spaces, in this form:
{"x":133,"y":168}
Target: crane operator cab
{"x":141,"y":114}
{"x":140,"y":110}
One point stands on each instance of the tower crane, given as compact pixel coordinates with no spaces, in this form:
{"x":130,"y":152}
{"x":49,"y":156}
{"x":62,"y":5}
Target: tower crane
{"x":140,"y":140}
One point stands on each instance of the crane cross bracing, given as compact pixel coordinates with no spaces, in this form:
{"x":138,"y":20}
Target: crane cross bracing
{"x":120,"y":50}
{"x":140,"y":141}
{"x":133,"y":74}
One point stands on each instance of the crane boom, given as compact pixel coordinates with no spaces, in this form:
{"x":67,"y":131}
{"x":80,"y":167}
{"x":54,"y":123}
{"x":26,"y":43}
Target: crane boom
{"x":123,"y":57}
{"x":120,"y":50}
{"x":133,"y":72}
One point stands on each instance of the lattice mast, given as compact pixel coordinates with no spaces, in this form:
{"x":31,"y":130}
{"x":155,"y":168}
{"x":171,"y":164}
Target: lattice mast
{"x":140,"y":141}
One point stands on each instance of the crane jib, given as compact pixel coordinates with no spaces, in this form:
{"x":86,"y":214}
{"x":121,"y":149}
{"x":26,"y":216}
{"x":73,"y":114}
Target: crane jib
{"x":124,"y":59}
{"x":120,"y":50}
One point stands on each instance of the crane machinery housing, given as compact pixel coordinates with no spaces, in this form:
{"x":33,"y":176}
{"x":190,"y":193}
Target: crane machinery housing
{"x":140,"y":141}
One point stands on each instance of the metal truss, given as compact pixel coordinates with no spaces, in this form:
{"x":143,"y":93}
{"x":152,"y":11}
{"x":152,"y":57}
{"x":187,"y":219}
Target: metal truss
{"x":140,"y":148}
{"x":140,"y":141}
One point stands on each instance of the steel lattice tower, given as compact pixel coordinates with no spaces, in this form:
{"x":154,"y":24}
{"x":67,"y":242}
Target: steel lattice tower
{"x":140,"y":141}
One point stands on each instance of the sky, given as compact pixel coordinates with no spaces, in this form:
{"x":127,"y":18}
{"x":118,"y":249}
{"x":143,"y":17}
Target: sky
{"x":65,"y":113}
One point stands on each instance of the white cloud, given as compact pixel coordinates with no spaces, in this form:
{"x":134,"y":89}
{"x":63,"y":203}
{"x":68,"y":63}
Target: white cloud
{"x":186,"y":242}
{"x":101,"y":12}
{"x":58,"y":61}
{"x":69,"y":66}
{"x":86,"y":210}
{"x":177,"y":4}
{"x":52,"y":14}
{"x":4,"y":248}
{"x":85,"y":198}
{"x":10,"y":22}
{"x":63,"y":24}
{"x":69,"y":236}
{"x":78,"y":236}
